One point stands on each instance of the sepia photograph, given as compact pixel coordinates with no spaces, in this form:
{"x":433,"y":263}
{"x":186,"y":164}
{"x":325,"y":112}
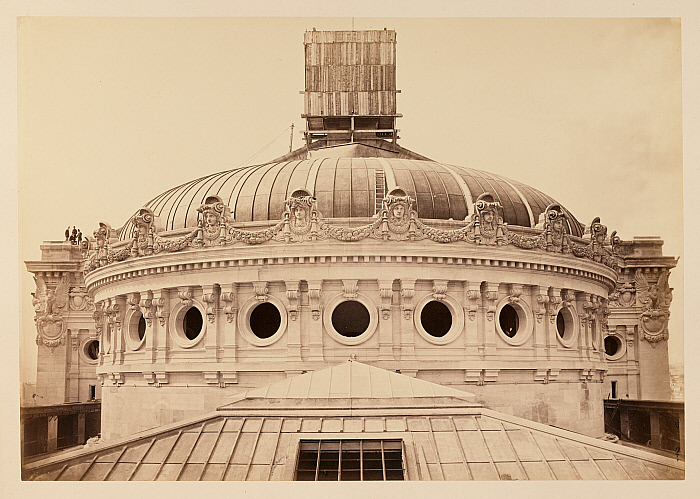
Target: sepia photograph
{"x":350,"y":248}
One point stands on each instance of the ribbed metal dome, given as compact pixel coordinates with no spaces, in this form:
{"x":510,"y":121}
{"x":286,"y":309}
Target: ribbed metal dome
{"x":347,"y":187}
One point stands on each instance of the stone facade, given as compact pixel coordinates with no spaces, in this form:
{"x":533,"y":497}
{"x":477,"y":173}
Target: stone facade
{"x":549,"y":367}
{"x":66,"y":335}
{"x":637,"y":347}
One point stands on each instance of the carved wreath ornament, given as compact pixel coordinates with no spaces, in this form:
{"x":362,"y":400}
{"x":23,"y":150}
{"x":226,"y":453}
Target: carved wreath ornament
{"x":396,"y":221}
{"x":655,"y":300}
{"x":49,"y":303}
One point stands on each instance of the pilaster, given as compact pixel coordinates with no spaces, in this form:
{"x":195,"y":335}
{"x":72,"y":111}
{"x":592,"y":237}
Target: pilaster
{"x":229,"y":295}
{"x":294,"y":323}
{"x":160,"y":300}
{"x":472,"y":298}
{"x":210,"y":296}
{"x":316,"y":325}
{"x":408,"y":290}
{"x":386,"y":294}
{"x":489,"y":292}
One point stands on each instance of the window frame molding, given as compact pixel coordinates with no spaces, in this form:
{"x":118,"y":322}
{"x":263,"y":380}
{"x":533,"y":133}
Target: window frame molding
{"x":457,"y":312}
{"x":243,"y":320}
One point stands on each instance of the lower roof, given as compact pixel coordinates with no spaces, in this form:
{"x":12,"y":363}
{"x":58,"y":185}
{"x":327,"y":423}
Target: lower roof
{"x":443,"y":438}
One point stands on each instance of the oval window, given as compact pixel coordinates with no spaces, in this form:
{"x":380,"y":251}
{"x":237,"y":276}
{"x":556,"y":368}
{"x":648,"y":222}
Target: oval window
{"x":265,"y":320}
{"x":509,"y":321}
{"x":92,"y":349}
{"x":192,"y":323}
{"x":612,"y":345}
{"x":350,"y":319}
{"x":436,"y":319}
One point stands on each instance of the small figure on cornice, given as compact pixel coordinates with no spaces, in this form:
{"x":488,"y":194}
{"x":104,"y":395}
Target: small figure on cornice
{"x":214,"y":215}
{"x":556,"y":238}
{"x":143,"y":237}
{"x":598,"y":234}
{"x":68,"y":233}
{"x":488,"y":227}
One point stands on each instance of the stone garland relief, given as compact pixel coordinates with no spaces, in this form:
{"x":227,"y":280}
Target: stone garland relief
{"x":397,"y":221}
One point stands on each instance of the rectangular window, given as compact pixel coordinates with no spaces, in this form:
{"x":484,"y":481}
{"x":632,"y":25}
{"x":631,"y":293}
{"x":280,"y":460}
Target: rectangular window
{"x":92,"y":392}
{"x":614,"y":389}
{"x":334,"y":460}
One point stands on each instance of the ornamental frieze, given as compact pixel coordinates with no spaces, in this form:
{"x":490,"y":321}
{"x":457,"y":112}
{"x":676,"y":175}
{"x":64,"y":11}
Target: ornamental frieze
{"x":396,"y":221}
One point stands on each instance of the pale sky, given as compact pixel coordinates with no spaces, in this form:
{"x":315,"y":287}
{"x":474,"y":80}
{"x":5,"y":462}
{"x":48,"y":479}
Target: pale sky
{"x":113,"y":112}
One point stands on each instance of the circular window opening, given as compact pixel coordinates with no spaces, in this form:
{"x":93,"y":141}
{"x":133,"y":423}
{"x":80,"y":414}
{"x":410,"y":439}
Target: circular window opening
{"x":142,"y":328}
{"x":509,"y":321}
{"x":612,"y":346}
{"x":192,"y":323}
{"x":265,"y":320}
{"x":350,"y":319}
{"x":92,"y":349}
{"x":436,"y":319}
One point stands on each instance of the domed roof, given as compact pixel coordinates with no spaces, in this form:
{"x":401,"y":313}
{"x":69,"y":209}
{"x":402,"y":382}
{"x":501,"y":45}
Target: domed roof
{"x":349,"y":187}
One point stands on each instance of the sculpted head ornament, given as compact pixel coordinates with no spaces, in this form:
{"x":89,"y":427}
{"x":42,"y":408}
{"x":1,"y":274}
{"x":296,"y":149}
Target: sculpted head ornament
{"x":300,"y":209}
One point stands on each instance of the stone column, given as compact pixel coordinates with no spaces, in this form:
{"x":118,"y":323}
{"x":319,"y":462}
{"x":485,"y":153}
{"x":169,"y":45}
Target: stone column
{"x":52,"y":437}
{"x":655,"y":429}
{"x":316,"y":325}
{"x":81,"y":428}
{"x":624,"y":423}
{"x":386,"y":294}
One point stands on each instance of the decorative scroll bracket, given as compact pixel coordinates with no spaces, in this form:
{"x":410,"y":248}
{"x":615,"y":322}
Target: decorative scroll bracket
{"x":439,"y":289}
{"x":230,"y":298}
{"x":350,"y":289}
{"x":407,"y":291}
{"x":514,"y":292}
{"x":473,"y":295}
{"x":185,"y":293}
{"x":385,"y":293}
{"x":490,"y":294}
{"x":210,"y":296}
{"x":145,"y":303}
{"x":293,"y":298}
{"x":315,"y":299}
{"x":261,"y":290}
{"x":553,"y":303}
